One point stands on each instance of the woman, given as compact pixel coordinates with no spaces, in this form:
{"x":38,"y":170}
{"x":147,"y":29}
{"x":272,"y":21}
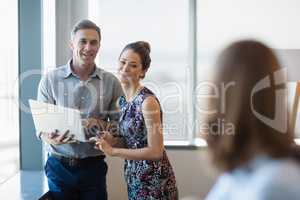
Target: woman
{"x":256,"y":155}
{"x":148,"y":172}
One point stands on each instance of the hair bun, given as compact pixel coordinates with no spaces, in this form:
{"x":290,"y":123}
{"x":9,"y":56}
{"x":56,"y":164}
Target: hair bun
{"x":145,"y":45}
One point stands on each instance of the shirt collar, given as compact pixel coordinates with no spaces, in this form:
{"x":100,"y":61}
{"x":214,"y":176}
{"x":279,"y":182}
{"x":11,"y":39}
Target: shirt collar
{"x":97,"y":73}
{"x":68,"y":71}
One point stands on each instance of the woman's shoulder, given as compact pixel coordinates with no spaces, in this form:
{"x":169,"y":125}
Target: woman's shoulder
{"x":148,"y":99}
{"x":273,"y":178}
{"x":222,"y":187}
{"x":146,"y":92}
{"x":267,"y":171}
{"x":150,"y":103}
{"x":146,"y":95}
{"x":284,"y":182}
{"x":264,"y":178}
{"x":280,"y":168}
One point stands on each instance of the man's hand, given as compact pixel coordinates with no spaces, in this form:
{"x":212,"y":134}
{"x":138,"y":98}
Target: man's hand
{"x":55,"y":138}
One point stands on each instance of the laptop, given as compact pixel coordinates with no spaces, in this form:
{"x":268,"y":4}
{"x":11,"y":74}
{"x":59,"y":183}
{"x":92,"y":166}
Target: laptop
{"x":48,"y":117}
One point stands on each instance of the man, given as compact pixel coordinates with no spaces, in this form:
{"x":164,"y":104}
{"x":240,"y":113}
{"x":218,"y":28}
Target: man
{"x":76,"y":170}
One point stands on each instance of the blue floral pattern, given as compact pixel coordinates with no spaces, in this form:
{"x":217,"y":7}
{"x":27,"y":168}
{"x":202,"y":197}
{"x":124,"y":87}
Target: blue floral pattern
{"x":146,"y":179}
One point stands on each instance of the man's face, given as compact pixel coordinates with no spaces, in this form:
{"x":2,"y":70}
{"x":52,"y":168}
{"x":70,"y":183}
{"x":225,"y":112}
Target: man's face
{"x":85,"y":45}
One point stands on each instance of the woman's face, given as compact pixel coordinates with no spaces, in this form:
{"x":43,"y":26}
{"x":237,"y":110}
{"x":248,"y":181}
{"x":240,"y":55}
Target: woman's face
{"x":130,"y":69}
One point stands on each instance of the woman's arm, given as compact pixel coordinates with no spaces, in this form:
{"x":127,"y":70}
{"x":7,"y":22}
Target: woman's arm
{"x":154,"y":150}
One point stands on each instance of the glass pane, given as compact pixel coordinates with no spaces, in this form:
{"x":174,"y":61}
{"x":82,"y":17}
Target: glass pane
{"x":9,"y":118}
{"x":123,"y":22}
{"x":221,"y":22}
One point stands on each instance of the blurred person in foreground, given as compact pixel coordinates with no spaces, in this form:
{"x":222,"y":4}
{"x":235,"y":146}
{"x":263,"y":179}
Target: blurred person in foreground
{"x":257,"y":156}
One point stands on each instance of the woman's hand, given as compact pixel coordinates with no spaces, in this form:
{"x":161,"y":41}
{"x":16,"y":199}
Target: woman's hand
{"x":108,"y":137}
{"x":94,"y":127}
{"x":104,"y":146}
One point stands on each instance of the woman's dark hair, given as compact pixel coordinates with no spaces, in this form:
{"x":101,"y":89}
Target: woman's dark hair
{"x":143,"y":49}
{"x":246,"y":63}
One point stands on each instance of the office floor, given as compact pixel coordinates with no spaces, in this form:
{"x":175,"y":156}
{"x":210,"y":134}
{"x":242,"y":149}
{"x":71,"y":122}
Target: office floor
{"x":25,"y":185}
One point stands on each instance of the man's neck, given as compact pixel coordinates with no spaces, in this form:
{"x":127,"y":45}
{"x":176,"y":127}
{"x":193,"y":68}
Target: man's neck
{"x":83,"y":71}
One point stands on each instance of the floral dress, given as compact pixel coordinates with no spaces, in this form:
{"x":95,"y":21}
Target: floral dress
{"x":146,"y":179}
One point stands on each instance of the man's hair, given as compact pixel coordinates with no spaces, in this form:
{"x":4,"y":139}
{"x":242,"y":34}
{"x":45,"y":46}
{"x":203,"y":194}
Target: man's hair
{"x":85,"y":24}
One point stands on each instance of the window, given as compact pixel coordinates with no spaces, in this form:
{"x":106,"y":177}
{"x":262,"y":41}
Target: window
{"x":49,"y":43}
{"x":221,"y":22}
{"x":164,"y":24}
{"x":9,"y":115}
{"x":185,"y":37}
